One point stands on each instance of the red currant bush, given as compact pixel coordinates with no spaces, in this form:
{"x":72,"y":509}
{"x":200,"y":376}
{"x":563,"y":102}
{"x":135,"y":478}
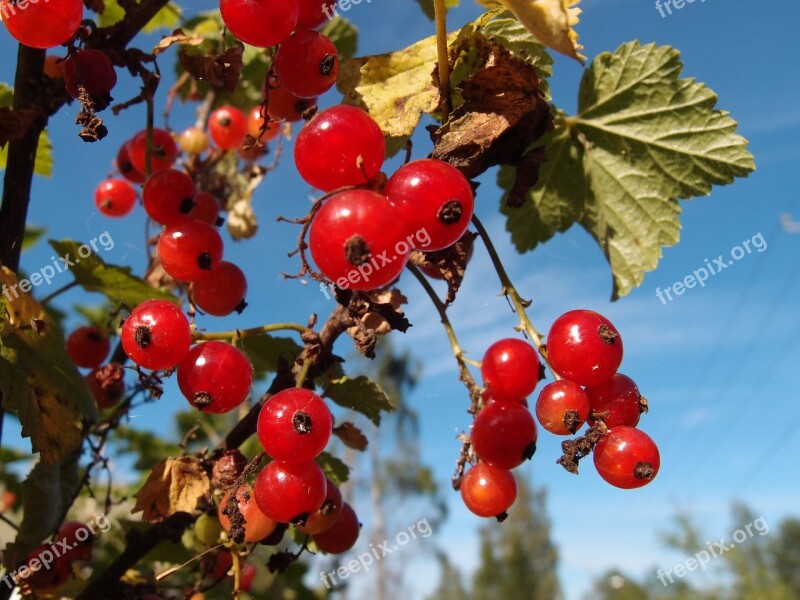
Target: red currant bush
{"x":257,"y":525}
{"x":314,"y":13}
{"x":357,"y":240}
{"x":285,"y":106}
{"x":125,"y":166}
{"x":487,"y":491}
{"x":190,"y":251}
{"x":222,"y":292}
{"x":504,"y":434}
{"x":627,"y":458}
{"x":328,"y":513}
{"x":307,"y":63}
{"x":164,"y":151}
{"x":562,"y":407}
{"x":620,"y":398}
{"x":91,"y":70}
{"x":342,"y":535}
{"x":115,"y":197}
{"x":43,"y":24}
{"x":215,"y":377}
{"x":290,"y":492}
{"x":227,"y":126}
{"x":156,"y":335}
{"x":294,"y":425}
{"x":583,"y":346}
{"x":88,"y":347}
{"x":434,"y":197}
{"x":169,"y":197}
{"x":330,"y":147}
{"x":261,"y":23}
{"x":510,"y":369}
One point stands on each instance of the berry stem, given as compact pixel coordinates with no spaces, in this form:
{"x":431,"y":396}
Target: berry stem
{"x":168,"y":572}
{"x":510,"y":292}
{"x":303,"y":374}
{"x":58,"y":292}
{"x":238,"y":334}
{"x":443,"y":60}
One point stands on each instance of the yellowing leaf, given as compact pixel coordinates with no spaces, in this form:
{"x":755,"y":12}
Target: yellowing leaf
{"x":174,"y":485}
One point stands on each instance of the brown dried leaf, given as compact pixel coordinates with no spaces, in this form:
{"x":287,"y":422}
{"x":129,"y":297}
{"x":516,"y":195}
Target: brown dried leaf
{"x":219,"y":71}
{"x":351,"y":436}
{"x":450,"y":262}
{"x":177,"y":37}
{"x":174,"y":485}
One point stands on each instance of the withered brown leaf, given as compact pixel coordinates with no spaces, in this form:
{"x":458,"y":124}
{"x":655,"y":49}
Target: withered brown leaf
{"x":351,"y":436}
{"x":174,"y":485}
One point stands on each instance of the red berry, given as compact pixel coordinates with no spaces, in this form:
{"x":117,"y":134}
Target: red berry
{"x":504,"y":434}
{"x":313,"y":13}
{"x":78,"y":537}
{"x":627,"y":458}
{"x":107,"y":385}
{"x":342,"y":535}
{"x":357,"y":240}
{"x":227,"y":126}
{"x":43,"y":24}
{"x":248,"y":574}
{"x":260,"y":23}
{"x":434,"y":197}
{"x":328,"y":513}
{"x":488,"y":492}
{"x":510,"y":369}
{"x":340,"y":146}
{"x":290,"y":492}
{"x":164,"y":151}
{"x":156,"y":335}
{"x":222,"y":292}
{"x":125,"y":166}
{"x":206,"y":208}
{"x":88,"y":347}
{"x":562,"y":407}
{"x":193,"y":140}
{"x":38,"y":576}
{"x":285,"y":106}
{"x":190,"y":251}
{"x":258,"y":129}
{"x":91,"y":70}
{"x":294,"y":425}
{"x":215,"y":377}
{"x":114,"y":197}
{"x":257,"y":525}
{"x":583,"y":346}
{"x":619,"y":397}
{"x":169,"y":197}
{"x":307,"y":63}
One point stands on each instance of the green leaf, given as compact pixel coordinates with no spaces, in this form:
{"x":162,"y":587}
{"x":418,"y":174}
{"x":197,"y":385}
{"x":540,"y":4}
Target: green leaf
{"x":43,"y":165}
{"x":32,"y":236}
{"x":427,"y":6}
{"x":265,"y":351}
{"x":334,"y":469}
{"x":168,"y":17}
{"x":362,"y":395}
{"x":642,"y":139}
{"x":344,"y":35}
{"x":94,"y":275}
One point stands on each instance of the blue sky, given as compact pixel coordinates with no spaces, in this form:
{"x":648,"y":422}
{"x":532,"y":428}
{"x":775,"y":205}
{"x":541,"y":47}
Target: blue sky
{"x":717,"y":364}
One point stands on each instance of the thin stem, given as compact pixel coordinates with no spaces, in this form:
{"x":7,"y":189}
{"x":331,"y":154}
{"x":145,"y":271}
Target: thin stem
{"x":440,"y":12}
{"x":169,"y":572}
{"x":58,"y":292}
{"x":9,"y":522}
{"x":148,"y":146}
{"x":238,"y":334}
{"x":303,"y":374}
{"x":510,"y":292}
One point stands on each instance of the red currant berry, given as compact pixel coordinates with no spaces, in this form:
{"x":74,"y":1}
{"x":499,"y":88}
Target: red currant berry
{"x":257,"y":525}
{"x":340,"y":146}
{"x":91,"y":70}
{"x":260,"y":23}
{"x":40,"y":578}
{"x":156,"y":335}
{"x":357,"y":240}
{"x":627,"y":458}
{"x":78,"y":538}
{"x":164,"y":151}
{"x":107,"y":385}
{"x":510,"y":369}
{"x":190,"y":251}
{"x":259,"y":129}
{"x":294,"y":425}
{"x":434,"y":197}
{"x":222,"y":292}
{"x":227,"y":126}
{"x":307,"y":63}
{"x":342,"y":535}
{"x":328,"y":513}
{"x":562,"y":407}
{"x":620,"y":398}
{"x":583,"y":346}
{"x":314,"y":13}
{"x":206,"y":209}
{"x":285,"y":106}
{"x":125,"y":166}
{"x":488,"y":492}
{"x":44,"y":24}
{"x":504,"y":435}
{"x":169,"y":197}
{"x":215,"y":377}
{"x":88,"y":347}
{"x":193,"y":140}
{"x":290,"y":492}
{"x":115,"y":197}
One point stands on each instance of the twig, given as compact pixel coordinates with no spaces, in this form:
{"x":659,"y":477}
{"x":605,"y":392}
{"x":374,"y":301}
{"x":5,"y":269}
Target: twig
{"x":443,"y":57}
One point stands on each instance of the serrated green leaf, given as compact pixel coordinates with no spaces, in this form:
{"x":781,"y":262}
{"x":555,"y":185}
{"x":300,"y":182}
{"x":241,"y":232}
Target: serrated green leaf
{"x":427,"y":7}
{"x":116,"y":283}
{"x":265,"y":351}
{"x":334,"y":469}
{"x":344,"y":35}
{"x":642,"y":139}
{"x":362,"y":395}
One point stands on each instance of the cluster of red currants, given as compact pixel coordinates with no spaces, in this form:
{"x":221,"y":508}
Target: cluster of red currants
{"x":48,"y":565}
{"x":88,"y":347}
{"x":360,"y":238}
